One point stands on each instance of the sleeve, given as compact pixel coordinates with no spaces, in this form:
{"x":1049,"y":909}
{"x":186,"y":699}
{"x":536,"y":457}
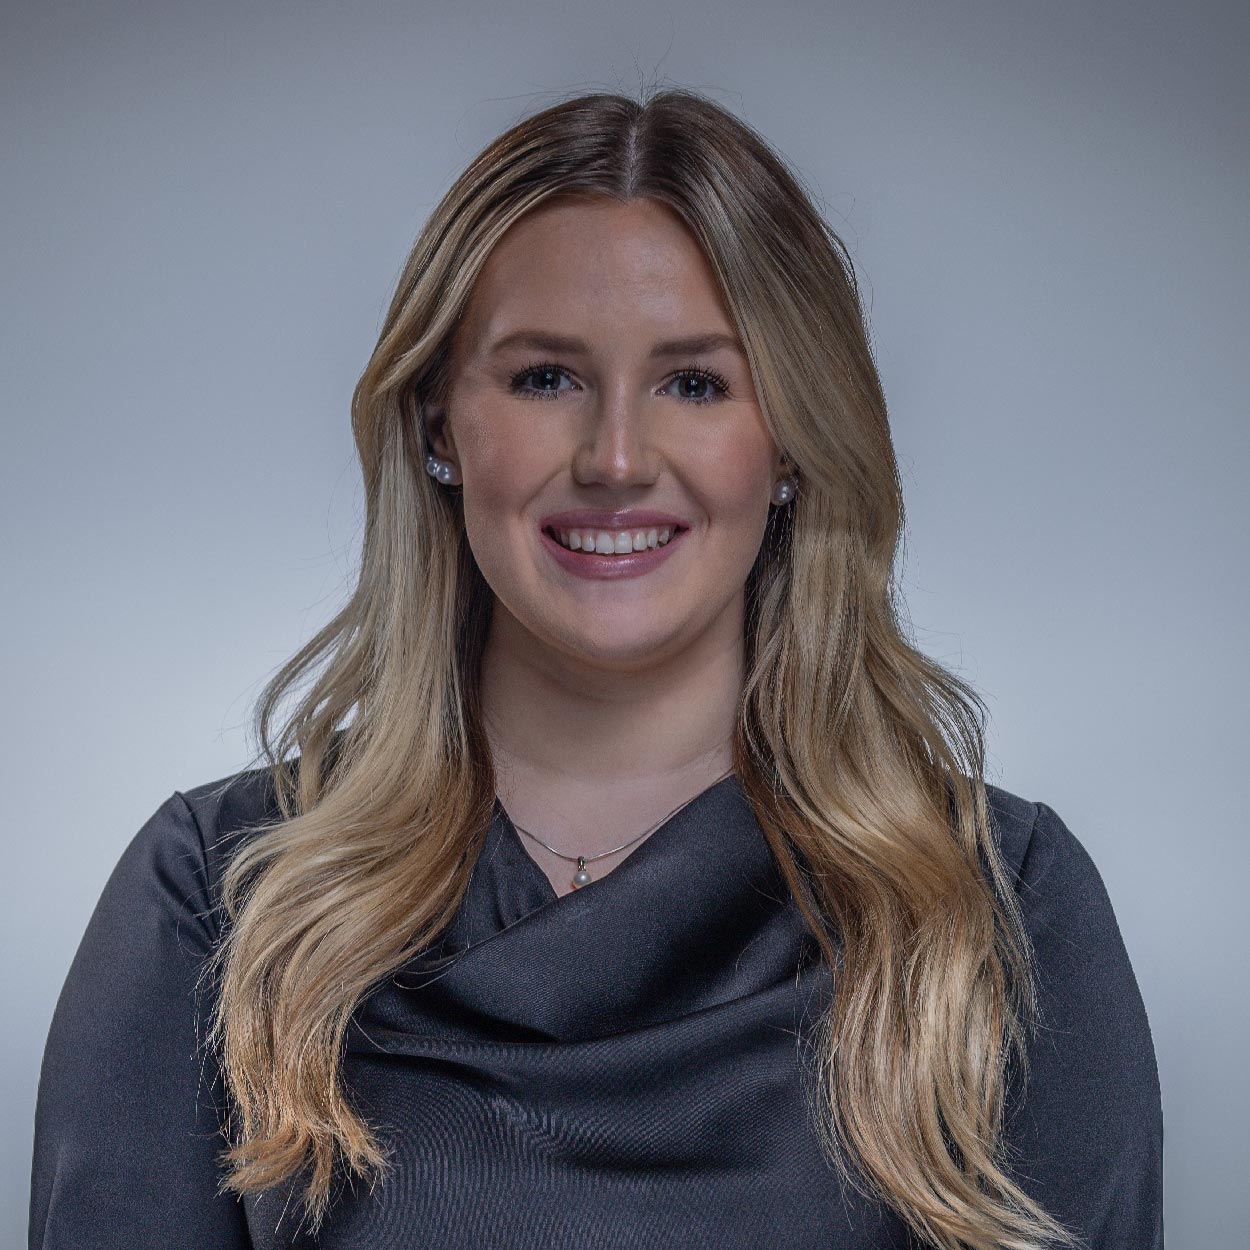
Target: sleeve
{"x":1085,"y":1138}
{"x":127,"y":1126}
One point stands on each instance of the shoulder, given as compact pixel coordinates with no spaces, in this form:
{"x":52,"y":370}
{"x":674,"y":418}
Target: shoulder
{"x":224,"y":814}
{"x":1084,"y":1116}
{"x":1011,"y":819}
{"x":1088,"y":996}
{"x":1054,"y":874}
{"x":1078,"y":949}
{"x":171,"y":868}
{"x":129,"y":1094}
{"x":1041,"y":853}
{"x":1032,"y":838}
{"x":168,"y":874}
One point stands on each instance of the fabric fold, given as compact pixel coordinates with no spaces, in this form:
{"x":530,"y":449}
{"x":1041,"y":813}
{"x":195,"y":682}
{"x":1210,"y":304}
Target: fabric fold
{"x":696,"y":916}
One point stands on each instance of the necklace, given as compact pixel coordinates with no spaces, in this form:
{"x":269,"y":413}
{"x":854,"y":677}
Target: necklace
{"x":582,"y":877}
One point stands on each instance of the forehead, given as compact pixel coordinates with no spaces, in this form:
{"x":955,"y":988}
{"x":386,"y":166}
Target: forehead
{"x":582,"y":266}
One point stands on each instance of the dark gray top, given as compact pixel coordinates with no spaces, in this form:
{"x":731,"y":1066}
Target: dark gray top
{"x":617,"y":1068}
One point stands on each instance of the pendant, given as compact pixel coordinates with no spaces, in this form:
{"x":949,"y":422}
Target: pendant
{"x":581,"y":877}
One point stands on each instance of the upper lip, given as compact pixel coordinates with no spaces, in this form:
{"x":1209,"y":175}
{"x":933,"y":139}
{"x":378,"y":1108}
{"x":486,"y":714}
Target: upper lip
{"x":622,"y":519}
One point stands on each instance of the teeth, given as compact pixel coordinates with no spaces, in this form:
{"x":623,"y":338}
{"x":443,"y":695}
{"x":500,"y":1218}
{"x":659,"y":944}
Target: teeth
{"x":614,"y":542}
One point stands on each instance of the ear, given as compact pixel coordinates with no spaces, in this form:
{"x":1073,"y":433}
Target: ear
{"x":438,"y":432}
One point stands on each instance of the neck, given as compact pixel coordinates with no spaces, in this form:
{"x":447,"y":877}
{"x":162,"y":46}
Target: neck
{"x":606,"y":747}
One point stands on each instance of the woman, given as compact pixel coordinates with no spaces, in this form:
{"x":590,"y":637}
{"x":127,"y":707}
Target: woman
{"x":624,"y":878}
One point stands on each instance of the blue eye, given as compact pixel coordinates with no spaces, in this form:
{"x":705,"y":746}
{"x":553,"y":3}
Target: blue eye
{"x":546,"y":372}
{"x":550,"y":372}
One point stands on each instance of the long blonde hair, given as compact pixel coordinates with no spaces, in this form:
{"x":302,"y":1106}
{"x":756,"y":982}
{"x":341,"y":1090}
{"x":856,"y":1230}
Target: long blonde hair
{"x":861,"y":758}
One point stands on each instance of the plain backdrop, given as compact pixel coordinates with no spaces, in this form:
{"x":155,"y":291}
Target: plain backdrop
{"x":206,"y":208}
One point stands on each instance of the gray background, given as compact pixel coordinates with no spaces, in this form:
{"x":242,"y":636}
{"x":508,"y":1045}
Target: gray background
{"x":207,"y":206}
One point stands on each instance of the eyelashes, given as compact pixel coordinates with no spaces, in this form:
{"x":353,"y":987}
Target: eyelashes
{"x":718,"y":383}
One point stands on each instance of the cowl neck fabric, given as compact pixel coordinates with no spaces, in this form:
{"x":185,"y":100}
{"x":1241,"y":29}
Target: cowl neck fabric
{"x":695,"y":916}
{"x":619,"y":1067}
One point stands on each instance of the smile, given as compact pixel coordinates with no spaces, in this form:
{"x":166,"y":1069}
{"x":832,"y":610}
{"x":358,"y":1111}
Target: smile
{"x":609,"y":554}
{"x":612,"y":542}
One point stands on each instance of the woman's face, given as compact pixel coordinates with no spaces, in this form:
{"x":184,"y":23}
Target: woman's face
{"x":597,"y":411}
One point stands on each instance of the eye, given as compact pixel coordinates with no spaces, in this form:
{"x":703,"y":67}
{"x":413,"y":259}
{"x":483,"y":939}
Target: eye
{"x":545,"y":372}
{"x":703,"y":377}
{"x":548,"y":372}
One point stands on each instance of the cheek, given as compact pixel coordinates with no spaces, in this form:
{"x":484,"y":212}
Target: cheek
{"x":505,"y":459}
{"x":508,"y":465}
{"x":734,"y":483}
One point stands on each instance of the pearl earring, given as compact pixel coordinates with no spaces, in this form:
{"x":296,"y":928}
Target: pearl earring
{"x":785,"y":490}
{"x":441,"y":470}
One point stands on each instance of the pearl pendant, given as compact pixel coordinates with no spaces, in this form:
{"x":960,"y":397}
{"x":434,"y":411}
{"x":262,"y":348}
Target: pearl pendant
{"x":581,"y":877}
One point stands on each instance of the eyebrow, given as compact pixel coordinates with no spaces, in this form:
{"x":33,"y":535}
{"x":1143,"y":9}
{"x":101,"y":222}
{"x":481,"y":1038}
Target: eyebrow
{"x":543,"y":341}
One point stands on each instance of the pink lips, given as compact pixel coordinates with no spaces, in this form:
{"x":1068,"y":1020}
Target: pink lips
{"x":633,"y":564}
{"x":604,"y":519}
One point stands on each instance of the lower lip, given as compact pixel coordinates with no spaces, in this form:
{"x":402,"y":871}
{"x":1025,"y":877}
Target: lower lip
{"x":632,"y":565}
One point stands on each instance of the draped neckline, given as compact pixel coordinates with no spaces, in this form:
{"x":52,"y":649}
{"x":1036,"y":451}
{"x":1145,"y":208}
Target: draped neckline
{"x":695,"y":916}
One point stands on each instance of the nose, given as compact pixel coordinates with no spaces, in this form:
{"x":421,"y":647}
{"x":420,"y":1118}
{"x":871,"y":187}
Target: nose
{"x":617,"y":448}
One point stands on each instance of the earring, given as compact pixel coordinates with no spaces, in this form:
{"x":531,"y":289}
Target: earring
{"x":442,"y":470}
{"x":785,"y":490}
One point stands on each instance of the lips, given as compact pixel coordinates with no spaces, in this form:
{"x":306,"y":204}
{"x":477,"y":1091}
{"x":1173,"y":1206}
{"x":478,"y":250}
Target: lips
{"x":602,"y":519}
{"x":596,"y":567}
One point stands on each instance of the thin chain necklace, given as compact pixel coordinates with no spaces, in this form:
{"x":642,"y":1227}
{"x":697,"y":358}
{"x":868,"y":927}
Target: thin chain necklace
{"x":581,"y":877}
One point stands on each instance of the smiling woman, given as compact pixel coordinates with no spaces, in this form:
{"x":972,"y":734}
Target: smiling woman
{"x":646,"y":399}
{"x":624,"y":878}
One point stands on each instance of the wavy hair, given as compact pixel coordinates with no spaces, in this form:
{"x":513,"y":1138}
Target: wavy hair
{"x":862,"y":759}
